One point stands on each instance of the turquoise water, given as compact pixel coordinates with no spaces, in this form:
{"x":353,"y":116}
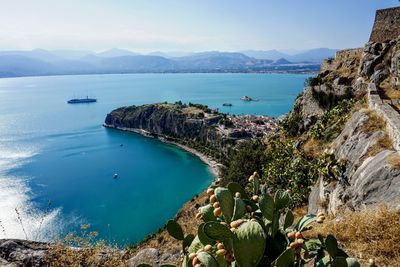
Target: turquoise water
{"x":50,"y":150}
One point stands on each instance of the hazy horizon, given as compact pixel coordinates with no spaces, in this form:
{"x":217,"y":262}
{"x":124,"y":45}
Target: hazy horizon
{"x":186,"y":26}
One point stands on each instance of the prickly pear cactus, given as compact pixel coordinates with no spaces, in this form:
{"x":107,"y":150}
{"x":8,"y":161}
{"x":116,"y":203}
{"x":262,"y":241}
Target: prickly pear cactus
{"x":239,"y":210}
{"x":207,"y":259}
{"x":207,"y":213}
{"x":225,"y":200}
{"x":217,"y":231}
{"x":249,"y":244}
{"x":175,"y":230}
{"x":239,"y":231}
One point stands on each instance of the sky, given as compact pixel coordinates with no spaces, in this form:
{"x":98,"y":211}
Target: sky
{"x":186,"y":25}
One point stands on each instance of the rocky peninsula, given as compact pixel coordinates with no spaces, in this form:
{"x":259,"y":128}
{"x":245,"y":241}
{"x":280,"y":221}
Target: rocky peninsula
{"x":195,"y":128}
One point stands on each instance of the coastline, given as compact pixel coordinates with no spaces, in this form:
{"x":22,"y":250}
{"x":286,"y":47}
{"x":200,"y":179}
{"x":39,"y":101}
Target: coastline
{"x":213,"y":166}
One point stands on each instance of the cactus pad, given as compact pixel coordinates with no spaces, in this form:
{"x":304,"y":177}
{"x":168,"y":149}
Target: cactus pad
{"x":207,"y":260}
{"x":175,"y":230}
{"x":225,"y":199}
{"x":217,"y":231}
{"x":249,"y":244}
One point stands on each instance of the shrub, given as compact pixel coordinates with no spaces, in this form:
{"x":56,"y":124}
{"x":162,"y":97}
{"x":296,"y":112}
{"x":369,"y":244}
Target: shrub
{"x":292,"y":124}
{"x":313,"y":81}
{"x":225,"y":121}
{"x":330,"y":99}
{"x":288,"y":168}
{"x":247,"y":157}
{"x":239,"y":230}
{"x":330,"y":124}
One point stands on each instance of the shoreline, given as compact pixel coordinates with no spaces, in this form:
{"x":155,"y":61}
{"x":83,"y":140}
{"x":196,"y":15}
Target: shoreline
{"x":213,"y":166}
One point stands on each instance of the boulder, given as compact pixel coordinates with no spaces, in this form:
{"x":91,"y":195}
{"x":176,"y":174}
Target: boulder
{"x":153,"y":257}
{"x":15,"y":252}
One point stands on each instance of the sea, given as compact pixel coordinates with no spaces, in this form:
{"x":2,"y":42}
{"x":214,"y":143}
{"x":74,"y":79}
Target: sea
{"x":58,"y":163}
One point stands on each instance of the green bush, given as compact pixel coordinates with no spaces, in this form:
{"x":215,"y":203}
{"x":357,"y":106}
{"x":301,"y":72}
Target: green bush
{"x":292,"y":123}
{"x":249,"y":156}
{"x":313,"y":81}
{"x":330,"y":124}
{"x":282,"y":166}
{"x":330,"y":99}
{"x":291,"y":169}
{"x":239,"y":230}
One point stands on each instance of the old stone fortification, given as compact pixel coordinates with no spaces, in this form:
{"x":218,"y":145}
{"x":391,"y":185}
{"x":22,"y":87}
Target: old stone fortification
{"x":386,"y":26}
{"x":345,"y":54}
{"x":385,"y":109}
{"x":342,"y":56}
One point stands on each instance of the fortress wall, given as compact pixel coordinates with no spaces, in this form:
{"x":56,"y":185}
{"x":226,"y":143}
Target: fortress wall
{"x":386,"y":26}
{"x":345,"y":54}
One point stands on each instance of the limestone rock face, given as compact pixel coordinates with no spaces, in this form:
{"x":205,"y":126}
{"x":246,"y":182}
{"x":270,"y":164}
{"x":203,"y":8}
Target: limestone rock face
{"x":368,"y":179}
{"x":163,"y":120}
{"x":309,"y":106}
{"x":375,"y":181}
{"x":381,"y":61}
{"x":153,"y":257}
{"x":14,"y":252}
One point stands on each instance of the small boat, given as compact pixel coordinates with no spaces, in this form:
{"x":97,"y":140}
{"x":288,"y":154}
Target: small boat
{"x":115,"y":175}
{"x":246,"y":98}
{"x":82,"y":100}
{"x":227,"y":104}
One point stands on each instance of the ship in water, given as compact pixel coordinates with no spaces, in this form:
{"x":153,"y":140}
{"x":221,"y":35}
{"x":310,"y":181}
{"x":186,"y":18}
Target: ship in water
{"x":82,"y":100}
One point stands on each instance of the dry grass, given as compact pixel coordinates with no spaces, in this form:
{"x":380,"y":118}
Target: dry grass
{"x":384,"y":143}
{"x":375,"y":123}
{"x":370,"y":233}
{"x":313,"y":148}
{"x":61,"y":255}
{"x":389,"y":90}
{"x":84,"y":250}
{"x":192,"y":110}
{"x":394,"y":160}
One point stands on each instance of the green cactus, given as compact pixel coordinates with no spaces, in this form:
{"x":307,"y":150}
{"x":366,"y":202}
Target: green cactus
{"x":255,"y":237}
{"x":175,"y":230}
{"x":207,"y":259}
{"x":204,"y":239}
{"x":289,"y":219}
{"x":304,"y":222}
{"x":239,"y":210}
{"x":225,"y":199}
{"x":267,"y":206}
{"x":256,"y":183}
{"x":207,"y":213}
{"x":235,"y":187}
{"x":249,"y":244}
{"x":281,"y":199}
{"x":217,"y":231}
{"x":286,"y":259}
{"x":196,"y":245}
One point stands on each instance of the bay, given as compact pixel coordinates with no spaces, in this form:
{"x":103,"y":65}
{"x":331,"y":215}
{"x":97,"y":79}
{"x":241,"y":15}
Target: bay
{"x":50,"y":150}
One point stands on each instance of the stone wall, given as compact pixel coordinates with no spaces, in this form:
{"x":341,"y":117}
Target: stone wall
{"x":391,"y":116}
{"x":386,"y":26}
{"x":346,"y":54}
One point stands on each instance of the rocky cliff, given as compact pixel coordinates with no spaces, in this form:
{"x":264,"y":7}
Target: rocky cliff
{"x":191,"y":124}
{"x":369,"y":141}
{"x":168,"y":120}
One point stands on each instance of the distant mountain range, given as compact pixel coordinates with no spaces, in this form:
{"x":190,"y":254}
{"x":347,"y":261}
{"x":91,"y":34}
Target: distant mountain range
{"x":313,"y":55}
{"x":60,"y":62}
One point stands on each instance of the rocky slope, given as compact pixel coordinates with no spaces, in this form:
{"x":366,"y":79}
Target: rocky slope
{"x":368,"y":141}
